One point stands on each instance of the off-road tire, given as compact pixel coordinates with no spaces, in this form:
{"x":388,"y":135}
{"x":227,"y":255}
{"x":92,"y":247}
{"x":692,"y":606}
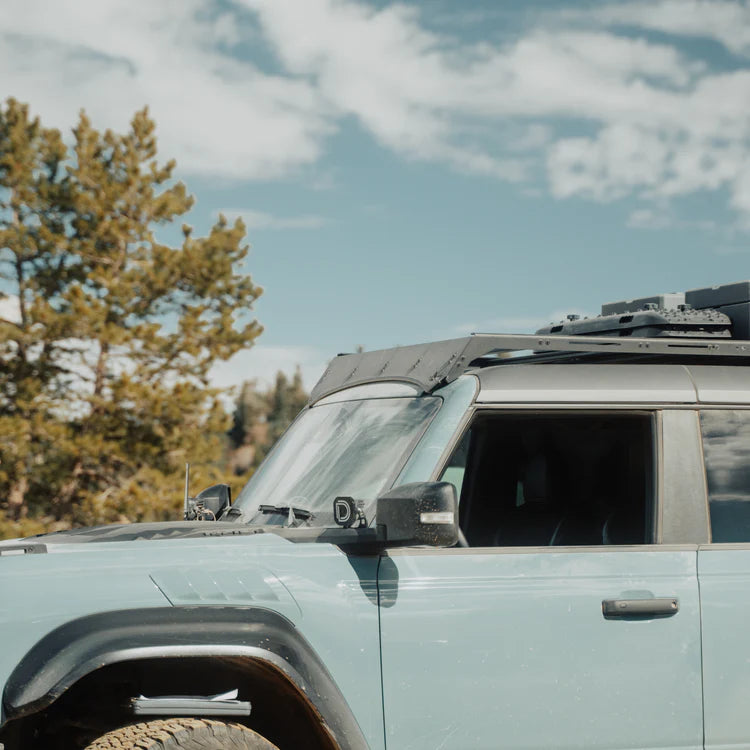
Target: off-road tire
{"x":182,"y":734}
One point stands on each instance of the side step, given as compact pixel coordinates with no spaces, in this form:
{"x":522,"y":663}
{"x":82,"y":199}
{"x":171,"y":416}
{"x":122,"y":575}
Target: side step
{"x":224,"y":704}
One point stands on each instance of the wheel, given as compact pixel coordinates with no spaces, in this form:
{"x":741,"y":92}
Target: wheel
{"x":182,"y":734}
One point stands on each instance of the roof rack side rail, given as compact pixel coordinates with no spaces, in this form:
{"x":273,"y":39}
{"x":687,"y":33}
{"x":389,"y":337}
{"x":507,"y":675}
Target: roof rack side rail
{"x":430,"y":365}
{"x":484,"y":344}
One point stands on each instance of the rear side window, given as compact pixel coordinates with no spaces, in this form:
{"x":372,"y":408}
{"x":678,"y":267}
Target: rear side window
{"x":726,"y":450}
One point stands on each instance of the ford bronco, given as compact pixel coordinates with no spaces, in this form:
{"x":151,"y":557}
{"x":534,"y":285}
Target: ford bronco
{"x":497,"y":541}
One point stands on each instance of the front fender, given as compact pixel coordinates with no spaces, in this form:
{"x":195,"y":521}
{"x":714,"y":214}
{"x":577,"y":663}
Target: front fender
{"x":84,"y":645}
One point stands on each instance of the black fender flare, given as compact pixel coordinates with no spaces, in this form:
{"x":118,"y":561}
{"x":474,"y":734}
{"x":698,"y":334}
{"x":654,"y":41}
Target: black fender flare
{"x":81,"y":646}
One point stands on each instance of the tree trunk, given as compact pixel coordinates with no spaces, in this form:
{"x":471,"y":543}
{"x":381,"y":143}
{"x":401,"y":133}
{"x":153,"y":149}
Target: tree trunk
{"x":62,"y":502}
{"x":17,"y":498}
{"x":101,"y":370}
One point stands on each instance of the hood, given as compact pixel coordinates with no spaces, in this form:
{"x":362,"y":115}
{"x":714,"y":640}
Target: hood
{"x":134,"y":531}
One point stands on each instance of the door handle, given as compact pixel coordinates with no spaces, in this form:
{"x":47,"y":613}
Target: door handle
{"x":640,"y":607}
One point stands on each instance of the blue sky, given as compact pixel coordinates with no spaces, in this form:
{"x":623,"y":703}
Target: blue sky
{"x":417,"y":170}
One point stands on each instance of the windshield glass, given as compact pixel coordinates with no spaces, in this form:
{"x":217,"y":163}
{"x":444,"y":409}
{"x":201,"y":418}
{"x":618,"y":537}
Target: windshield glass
{"x":350,"y":448}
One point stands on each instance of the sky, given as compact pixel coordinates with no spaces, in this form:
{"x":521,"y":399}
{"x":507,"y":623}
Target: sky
{"x":419,"y":170}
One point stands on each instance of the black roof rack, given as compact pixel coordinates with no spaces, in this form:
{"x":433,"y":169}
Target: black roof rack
{"x":431,"y":365}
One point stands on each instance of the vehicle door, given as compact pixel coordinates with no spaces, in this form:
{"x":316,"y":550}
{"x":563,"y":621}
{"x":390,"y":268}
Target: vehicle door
{"x":563,"y":623}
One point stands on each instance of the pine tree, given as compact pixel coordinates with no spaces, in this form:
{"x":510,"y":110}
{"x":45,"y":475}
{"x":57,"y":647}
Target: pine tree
{"x":34,"y":206}
{"x":106,"y":370}
{"x":285,"y":399}
{"x":261,"y":417}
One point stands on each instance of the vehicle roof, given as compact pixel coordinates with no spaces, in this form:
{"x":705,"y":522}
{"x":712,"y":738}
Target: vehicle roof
{"x":613,"y":383}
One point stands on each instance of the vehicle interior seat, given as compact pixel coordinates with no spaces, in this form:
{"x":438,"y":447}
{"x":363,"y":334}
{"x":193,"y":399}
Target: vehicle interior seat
{"x":534,"y":515}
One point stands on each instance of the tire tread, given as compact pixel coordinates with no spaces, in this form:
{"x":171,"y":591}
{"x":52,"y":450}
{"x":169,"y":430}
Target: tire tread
{"x":182,"y":734}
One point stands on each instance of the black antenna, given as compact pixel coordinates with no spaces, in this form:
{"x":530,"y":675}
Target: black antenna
{"x":186,"y":509}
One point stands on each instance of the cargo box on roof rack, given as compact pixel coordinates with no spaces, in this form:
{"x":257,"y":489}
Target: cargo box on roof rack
{"x":649,"y":323}
{"x":671,"y":301}
{"x":710,"y":312}
{"x":731,"y":299}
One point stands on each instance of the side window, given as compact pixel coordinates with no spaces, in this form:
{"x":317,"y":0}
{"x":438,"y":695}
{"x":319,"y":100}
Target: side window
{"x":455,"y":469}
{"x":555,"y":479}
{"x":726,"y":451}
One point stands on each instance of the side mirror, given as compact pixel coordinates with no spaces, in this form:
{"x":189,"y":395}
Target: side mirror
{"x":209,"y":504}
{"x":424,"y":513}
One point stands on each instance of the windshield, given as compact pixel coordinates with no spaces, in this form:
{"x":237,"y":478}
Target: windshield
{"x":351,"y":448}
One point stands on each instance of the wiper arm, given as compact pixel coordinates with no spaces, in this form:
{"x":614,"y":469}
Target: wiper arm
{"x":231,"y":513}
{"x":293,"y":513}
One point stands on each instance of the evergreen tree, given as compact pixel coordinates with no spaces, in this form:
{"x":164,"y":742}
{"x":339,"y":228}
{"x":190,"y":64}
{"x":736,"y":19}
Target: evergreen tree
{"x":260,"y":418}
{"x":104,"y":391}
{"x":34,"y":206}
{"x":285,"y":400}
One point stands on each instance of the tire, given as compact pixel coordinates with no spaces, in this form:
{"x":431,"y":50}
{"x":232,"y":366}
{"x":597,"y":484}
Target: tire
{"x":182,"y":734}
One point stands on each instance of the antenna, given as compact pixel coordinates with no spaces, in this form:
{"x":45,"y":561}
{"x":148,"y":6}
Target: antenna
{"x":187,"y":489}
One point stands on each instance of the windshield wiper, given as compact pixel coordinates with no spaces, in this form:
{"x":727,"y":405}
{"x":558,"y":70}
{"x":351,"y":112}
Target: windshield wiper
{"x":291,"y":512}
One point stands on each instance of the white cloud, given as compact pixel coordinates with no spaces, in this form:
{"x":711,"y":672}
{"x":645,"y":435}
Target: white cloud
{"x":663,"y":124}
{"x":701,"y":143}
{"x":534,"y":137}
{"x":604,"y":113}
{"x":692,"y":138}
{"x":415,"y":90}
{"x":722,"y":20}
{"x":262,"y":220}
{"x":217,"y":114}
{"x":618,"y":159}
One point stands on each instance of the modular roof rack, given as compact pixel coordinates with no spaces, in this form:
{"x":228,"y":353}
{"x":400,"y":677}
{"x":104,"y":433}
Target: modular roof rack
{"x":431,"y":365}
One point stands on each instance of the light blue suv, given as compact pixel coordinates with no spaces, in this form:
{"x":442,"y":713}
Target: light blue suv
{"x":499,"y":541}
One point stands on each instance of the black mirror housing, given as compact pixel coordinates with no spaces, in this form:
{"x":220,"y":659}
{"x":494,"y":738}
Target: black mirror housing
{"x":209,"y":504}
{"x":420,"y":513}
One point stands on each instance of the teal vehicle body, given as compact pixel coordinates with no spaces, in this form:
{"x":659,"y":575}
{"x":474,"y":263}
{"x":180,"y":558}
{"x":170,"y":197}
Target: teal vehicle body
{"x":447,"y":550}
{"x":81,"y":580}
{"x":512,"y":650}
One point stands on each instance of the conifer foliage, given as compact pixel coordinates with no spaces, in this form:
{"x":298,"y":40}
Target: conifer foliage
{"x":260,"y":418}
{"x":107,"y":331}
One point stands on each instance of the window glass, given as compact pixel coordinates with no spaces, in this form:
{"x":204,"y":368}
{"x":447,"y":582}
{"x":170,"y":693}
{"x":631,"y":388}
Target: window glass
{"x":457,"y":399}
{"x":555,"y":480}
{"x":726,"y":451}
{"x":351,"y":448}
{"x":455,"y":469}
